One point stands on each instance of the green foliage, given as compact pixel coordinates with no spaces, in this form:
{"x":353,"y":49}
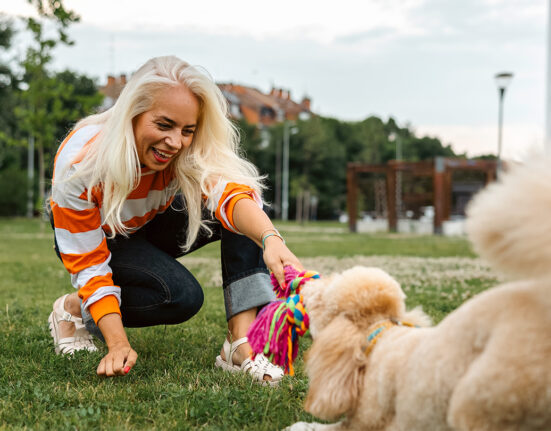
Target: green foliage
{"x":263,"y":157}
{"x":39,"y":109}
{"x":318,"y":164}
{"x":49,"y":102}
{"x":427,"y":148}
{"x":6,"y":32}
{"x":367,"y":140}
{"x":80,"y":97}
{"x":13,"y":191}
{"x":8,"y":89}
{"x":40,"y":103}
{"x":55,"y":11}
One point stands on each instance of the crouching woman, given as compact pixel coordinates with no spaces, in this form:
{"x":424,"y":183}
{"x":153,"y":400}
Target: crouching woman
{"x":153,"y":178}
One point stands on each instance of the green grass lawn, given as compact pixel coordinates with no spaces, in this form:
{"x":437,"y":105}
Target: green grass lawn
{"x":175,"y":384}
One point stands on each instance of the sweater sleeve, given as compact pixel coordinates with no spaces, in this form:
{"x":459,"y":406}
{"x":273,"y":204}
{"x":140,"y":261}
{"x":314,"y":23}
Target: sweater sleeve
{"x":223,"y":198}
{"x":82,"y":244}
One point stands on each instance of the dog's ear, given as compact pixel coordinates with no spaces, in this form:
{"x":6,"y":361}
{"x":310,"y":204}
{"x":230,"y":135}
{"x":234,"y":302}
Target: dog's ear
{"x":335,"y":365}
{"x":320,"y":310}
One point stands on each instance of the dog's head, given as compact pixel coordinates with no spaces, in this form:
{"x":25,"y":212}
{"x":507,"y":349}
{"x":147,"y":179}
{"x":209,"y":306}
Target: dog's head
{"x":341,"y":308}
{"x":361,"y":294}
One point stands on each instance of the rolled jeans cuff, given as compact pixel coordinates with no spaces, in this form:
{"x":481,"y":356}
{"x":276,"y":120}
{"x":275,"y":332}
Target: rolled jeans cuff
{"x":249,"y":292}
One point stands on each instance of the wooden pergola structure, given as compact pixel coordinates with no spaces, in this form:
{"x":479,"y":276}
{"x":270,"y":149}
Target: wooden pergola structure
{"x":440,"y":169}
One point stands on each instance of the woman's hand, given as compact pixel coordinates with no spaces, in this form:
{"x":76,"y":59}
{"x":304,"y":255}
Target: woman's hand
{"x":277,"y":256}
{"x":118,"y":362}
{"x":121,"y":357}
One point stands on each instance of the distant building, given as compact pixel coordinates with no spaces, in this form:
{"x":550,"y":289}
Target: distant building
{"x":264,"y":109}
{"x":244,"y":102}
{"x":112,"y":90}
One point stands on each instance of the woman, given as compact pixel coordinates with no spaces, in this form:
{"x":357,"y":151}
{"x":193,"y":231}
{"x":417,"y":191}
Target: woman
{"x":155,"y":177}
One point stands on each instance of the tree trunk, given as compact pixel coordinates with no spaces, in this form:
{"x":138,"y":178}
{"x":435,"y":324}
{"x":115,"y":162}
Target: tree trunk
{"x":306,"y":206}
{"x":298,"y":211}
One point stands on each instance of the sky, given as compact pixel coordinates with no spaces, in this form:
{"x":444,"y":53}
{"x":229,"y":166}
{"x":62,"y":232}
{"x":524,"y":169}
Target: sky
{"x":429,"y":64}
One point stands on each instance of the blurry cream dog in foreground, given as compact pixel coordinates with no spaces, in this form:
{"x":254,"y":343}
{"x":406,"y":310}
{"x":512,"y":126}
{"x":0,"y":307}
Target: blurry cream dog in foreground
{"x":486,"y":366}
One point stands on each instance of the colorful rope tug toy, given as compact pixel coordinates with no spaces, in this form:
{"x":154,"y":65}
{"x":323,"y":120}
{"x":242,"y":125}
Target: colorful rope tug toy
{"x":277,"y":328}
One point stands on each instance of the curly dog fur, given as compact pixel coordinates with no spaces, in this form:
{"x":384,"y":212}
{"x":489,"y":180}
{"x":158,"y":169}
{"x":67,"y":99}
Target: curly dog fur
{"x":486,"y":366}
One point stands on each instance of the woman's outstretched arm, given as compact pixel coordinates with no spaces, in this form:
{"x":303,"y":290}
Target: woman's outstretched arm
{"x":251,"y":221}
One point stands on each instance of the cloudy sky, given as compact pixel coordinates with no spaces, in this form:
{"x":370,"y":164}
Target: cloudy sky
{"x":427,"y":63}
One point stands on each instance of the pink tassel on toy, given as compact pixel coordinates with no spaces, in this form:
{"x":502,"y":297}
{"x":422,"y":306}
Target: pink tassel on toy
{"x":277,"y":327}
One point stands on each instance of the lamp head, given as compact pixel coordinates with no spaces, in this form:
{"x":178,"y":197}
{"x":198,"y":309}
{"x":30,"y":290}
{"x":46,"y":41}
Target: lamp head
{"x":503,"y":79}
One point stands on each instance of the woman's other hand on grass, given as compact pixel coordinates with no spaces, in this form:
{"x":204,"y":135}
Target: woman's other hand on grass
{"x":118,"y":362}
{"x":121,"y":357}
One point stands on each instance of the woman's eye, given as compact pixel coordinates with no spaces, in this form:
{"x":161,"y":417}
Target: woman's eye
{"x":163,"y":126}
{"x":188,"y":132}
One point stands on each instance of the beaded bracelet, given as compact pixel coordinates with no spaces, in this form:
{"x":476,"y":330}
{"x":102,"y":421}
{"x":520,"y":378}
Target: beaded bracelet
{"x":269,"y":235}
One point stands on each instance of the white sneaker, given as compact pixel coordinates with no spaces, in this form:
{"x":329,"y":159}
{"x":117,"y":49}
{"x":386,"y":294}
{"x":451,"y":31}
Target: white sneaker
{"x":82,"y":339}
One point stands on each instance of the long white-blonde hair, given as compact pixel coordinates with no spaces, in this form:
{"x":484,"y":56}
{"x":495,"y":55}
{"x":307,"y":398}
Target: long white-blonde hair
{"x":112,"y":159}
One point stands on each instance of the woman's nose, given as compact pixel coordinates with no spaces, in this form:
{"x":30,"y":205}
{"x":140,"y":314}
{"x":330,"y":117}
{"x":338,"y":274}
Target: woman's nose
{"x":174,"y":141}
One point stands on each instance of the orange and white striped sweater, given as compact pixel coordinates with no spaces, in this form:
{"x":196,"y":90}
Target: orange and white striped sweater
{"x":80,"y":228}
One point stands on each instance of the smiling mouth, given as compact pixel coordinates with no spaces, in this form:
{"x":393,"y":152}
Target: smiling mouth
{"x":160,"y":156}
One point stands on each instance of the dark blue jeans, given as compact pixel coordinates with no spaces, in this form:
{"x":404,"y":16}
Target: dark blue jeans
{"x":156,"y":289}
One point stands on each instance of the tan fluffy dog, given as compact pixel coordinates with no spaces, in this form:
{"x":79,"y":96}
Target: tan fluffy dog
{"x":486,"y":366}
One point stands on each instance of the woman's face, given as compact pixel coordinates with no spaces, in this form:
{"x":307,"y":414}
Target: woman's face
{"x":167,"y":128}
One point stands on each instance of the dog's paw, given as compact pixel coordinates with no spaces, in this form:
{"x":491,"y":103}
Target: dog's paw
{"x":301,"y":426}
{"x":305,"y":426}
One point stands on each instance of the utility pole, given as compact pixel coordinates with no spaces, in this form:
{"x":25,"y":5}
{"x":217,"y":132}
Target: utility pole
{"x":288,"y":130}
{"x":503,"y":80}
{"x":277,"y":200}
{"x":30,"y":178}
{"x":285,"y":176}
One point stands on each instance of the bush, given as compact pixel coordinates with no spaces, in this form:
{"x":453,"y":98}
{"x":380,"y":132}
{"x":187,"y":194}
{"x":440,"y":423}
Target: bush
{"x":13,"y":192}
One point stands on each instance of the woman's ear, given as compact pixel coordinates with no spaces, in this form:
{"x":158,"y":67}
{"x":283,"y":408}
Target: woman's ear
{"x":335,"y":365}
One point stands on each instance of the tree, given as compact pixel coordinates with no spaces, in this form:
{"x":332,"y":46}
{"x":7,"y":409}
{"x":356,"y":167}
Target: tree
{"x":41,"y":109}
{"x":54,"y":11}
{"x":80,"y":98}
{"x":261,"y":150}
{"x":12,"y":177}
{"x":318,"y":165}
{"x":8,"y":92}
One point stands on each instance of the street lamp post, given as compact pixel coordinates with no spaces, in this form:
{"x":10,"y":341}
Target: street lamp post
{"x":287,"y":132}
{"x":503,"y":80}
